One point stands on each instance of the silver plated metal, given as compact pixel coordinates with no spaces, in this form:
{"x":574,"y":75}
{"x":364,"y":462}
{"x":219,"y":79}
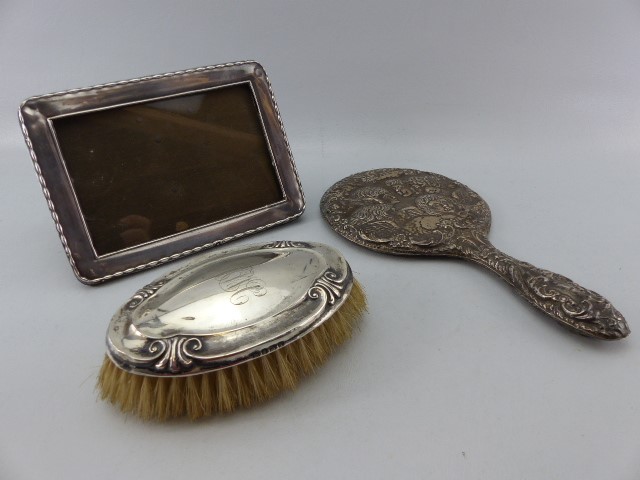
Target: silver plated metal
{"x":228,"y":307}
{"x":412,"y":212}
{"x":37,"y":115}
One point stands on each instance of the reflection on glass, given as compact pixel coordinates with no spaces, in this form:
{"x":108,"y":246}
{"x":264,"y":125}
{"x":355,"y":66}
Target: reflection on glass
{"x":150,"y":170}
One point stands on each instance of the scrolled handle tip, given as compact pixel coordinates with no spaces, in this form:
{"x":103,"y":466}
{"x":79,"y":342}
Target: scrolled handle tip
{"x":611,"y":326}
{"x":582,"y":310}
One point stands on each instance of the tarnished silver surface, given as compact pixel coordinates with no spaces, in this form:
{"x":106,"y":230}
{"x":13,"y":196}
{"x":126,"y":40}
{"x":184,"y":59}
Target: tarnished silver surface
{"x":411,"y":212}
{"x":228,"y":307}
{"x":36,"y":115}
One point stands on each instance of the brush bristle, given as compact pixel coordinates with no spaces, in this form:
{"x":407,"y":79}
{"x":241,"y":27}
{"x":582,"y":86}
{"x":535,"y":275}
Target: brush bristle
{"x":221,"y":391}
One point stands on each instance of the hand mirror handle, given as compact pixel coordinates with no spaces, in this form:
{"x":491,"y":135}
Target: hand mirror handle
{"x":572,"y":305}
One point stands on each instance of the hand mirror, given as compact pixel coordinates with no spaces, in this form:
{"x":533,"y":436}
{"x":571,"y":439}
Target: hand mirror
{"x":411,"y":212}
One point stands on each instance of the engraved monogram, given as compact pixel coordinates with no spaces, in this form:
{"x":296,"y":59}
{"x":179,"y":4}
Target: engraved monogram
{"x":243,"y":284}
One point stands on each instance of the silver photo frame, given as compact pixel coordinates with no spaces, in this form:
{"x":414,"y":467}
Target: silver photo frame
{"x":144,"y":171}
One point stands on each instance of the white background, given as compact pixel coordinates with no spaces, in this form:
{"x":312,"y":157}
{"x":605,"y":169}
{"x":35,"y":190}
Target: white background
{"x":535,"y":105}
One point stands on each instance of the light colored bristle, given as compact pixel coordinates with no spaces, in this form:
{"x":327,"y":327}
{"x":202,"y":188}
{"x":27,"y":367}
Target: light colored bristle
{"x":241,"y":387}
{"x":206,"y":394}
{"x":193,"y":402}
{"x":176,"y":403}
{"x":226,"y":400}
{"x":220,"y":391}
{"x":287,"y":369}
{"x":268,"y":372}
{"x":255,"y":381}
{"x":132,"y":393}
{"x":160,"y":400}
{"x":145,"y":400}
{"x":303,"y":356}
